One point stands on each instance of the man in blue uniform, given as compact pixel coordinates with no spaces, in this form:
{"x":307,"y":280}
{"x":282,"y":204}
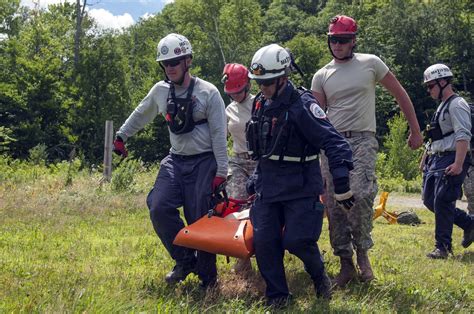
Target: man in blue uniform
{"x":448,"y":161}
{"x":197,"y":163}
{"x":285,"y":134}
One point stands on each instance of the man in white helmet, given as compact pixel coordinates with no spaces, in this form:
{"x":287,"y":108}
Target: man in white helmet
{"x":448,"y":161}
{"x":286,"y":132}
{"x":197,"y":163}
{"x":345,"y":88}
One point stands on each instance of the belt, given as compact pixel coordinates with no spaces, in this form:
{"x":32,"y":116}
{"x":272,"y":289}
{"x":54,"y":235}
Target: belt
{"x":349,"y":134}
{"x":446,"y":153}
{"x":186,"y":157}
{"x":242,"y":155}
{"x":294,"y":159}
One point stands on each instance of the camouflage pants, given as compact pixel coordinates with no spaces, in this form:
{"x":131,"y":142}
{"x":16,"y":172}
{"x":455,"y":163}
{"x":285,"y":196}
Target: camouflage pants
{"x":239,"y":171}
{"x":352,"y":229}
{"x":468,"y":187}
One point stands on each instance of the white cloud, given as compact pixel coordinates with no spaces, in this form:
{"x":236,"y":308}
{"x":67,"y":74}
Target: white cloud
{"x":146,"y":16}
{"x":43,"y":3}
{"x":105,"y":19}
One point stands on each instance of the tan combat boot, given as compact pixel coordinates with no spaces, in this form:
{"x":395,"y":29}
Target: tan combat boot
{"x":347,"y":273}
{"x":366,"y":273}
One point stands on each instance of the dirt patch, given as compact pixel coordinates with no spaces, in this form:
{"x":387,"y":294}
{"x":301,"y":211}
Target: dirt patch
{"x":411,"y":201}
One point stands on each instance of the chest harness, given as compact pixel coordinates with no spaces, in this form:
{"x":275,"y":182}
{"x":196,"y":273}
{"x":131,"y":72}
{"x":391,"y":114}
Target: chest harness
{"x":179,"y":111}
{"x":433,"y":130}
{"x":270,"y":134}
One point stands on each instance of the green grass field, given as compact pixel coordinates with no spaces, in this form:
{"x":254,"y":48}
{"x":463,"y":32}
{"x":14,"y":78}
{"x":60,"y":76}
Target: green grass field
{"x":86,"y":248}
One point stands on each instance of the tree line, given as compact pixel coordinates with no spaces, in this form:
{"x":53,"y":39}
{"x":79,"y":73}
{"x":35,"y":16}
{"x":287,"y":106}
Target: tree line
{"x":62,"y":76}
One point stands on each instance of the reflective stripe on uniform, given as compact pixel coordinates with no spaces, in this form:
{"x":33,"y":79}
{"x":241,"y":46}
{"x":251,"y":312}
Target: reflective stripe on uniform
{"x":290,"y":158}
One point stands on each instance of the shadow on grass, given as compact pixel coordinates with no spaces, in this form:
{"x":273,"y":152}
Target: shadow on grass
{"x":466,"y":257}
{"x":243,"y":291}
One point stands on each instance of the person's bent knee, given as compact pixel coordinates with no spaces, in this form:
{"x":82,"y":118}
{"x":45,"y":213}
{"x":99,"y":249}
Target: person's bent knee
{"x":428,"y":204}
{"x":295,"y":245}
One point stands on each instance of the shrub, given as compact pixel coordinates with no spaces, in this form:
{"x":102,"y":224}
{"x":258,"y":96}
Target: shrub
{"x":123,"y":178}
{"x":401,"y":160}
{"x":38,"y":154}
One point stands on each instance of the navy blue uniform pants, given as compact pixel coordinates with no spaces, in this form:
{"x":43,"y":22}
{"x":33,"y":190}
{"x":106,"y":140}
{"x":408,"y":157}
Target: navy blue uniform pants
{"x":183,"y":181}
{"x":440,"y":193}
{"x":294,"y":225}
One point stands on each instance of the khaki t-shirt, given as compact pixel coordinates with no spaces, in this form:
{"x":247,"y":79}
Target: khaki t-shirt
{"x":350,"y":91}
{"x":238,"y":114}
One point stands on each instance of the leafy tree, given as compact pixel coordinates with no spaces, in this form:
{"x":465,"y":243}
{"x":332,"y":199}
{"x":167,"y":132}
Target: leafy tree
{"x":400,"y":160}
{"x":310,"y":54}
{"x":102,"y":84}
{"x":34,"y":103}
{"x":9,"y":21}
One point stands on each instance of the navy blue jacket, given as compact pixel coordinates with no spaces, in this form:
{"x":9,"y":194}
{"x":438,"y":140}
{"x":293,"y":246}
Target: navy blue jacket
{"x":281,"y":180}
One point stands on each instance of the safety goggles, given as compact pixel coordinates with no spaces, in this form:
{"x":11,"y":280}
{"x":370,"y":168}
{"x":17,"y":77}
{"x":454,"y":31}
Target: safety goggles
{"x":429,"y":87}
{"x":268,"y":82}
{"x":339,"y":40}
{"x":171,"y":63}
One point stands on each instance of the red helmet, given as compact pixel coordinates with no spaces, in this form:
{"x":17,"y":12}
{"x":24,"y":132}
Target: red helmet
{"x":235,"y":78}
{"x":342,"y":25}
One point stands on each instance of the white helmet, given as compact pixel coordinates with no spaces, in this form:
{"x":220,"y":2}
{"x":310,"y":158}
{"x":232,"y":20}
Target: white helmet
{"x":436,"y":71}
{"x":173,"y":46}
{"x":269,"y":62}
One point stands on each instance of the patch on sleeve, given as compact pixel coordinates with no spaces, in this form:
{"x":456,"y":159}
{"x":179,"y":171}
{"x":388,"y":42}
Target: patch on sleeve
{"x":317,"y":111}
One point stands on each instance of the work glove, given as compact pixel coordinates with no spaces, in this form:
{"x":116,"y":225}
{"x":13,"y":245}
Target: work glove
{"x":343,"y":193}
{"x":250,"y":185}
{"x":217,"y":183}
{"x":119,"y":147}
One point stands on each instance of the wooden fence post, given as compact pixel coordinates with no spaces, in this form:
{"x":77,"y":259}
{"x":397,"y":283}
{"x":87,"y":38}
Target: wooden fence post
{"x":108,"y":144}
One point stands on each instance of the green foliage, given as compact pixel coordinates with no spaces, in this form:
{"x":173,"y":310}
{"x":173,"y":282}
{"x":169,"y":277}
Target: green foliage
{"x":44,"y":98}
{"x":38,"y":154}
{"x":5,"y":139}
{"x":399,"y":161}
{"x":123,"y":178}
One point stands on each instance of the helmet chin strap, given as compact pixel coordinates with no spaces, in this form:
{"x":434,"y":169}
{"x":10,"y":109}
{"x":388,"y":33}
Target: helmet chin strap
{"x":279,"y":85}
{"x":246,"y":90}
{"x":181,"y":80}
{"x":441,"y":88}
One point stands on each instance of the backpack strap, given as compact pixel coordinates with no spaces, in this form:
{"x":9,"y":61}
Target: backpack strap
{"x":444,"y":109}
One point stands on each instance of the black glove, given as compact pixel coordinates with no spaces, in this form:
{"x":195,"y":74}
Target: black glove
{"x":343,"y":193}
{"x":250,"y":185}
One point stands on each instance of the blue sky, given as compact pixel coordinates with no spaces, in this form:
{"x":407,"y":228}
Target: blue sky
{"x":113,"y":13}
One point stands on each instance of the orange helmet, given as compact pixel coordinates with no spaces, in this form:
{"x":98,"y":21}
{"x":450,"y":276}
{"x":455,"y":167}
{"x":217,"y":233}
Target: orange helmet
{"x":342,"y":25}
{"x":235,"y":78}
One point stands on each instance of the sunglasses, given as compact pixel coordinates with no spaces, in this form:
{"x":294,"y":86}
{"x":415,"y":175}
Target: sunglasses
{"x":269,"y":82}
{"x":172,"y":62}
{"x":339,"y":40}
{"x":430,"y":86}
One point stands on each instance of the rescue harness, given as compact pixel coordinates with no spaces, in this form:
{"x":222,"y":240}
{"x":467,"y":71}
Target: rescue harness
{"x":273,"y":137}
{"x":179,"y":111}
{"x":433,"y":130}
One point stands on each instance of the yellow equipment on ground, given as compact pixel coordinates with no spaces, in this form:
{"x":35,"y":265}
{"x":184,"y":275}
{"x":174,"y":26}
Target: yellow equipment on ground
{"x":380,"y":210}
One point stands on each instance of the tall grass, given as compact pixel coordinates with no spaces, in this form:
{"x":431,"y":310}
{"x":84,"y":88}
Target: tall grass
{"x":86,"y":247}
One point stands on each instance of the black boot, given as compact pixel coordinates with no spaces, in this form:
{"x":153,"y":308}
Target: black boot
{"x":468,"y":237}
{"x":208,"y":284}
{"x":323,"y":287}
{"x":279,"y":303}
{"x":179,"y":273}
{"x":438,"y":254}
